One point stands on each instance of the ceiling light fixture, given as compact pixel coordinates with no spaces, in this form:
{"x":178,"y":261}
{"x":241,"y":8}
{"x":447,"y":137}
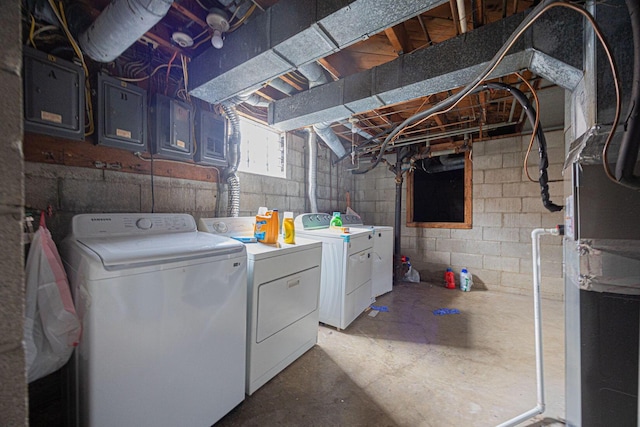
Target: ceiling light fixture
{"x":217,"y":20}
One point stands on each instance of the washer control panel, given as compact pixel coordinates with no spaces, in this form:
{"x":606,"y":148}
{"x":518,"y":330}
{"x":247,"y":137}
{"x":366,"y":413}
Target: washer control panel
{"x":313,"y":221}
{"x":93,"y":225}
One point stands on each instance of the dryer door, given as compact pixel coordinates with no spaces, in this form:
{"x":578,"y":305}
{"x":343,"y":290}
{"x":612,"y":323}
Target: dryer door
{"x":358,"y":269}
{"x":284,"y":301}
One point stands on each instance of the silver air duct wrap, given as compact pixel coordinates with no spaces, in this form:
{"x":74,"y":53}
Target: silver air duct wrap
{"x":233,"y":182}
{"x":325,"y":132}
{"x":313,"y":170}
{"x":119,"y":25}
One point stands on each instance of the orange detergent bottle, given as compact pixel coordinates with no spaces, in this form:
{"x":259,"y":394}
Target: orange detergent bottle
{"x":267,"y":226}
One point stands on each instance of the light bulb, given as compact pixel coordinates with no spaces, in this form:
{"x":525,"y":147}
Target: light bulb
{"x":216,"y":39}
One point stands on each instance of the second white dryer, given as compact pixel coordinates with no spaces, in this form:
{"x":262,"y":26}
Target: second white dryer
{"x":282,"y":307}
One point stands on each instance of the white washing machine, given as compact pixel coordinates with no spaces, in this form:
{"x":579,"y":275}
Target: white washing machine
{"x":345,"y":288}
{"x":283,"y":291}
{"x":382,"y":270}
{"x":163,"y":315}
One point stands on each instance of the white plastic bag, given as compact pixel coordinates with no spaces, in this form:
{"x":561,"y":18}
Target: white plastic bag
{"x":412,"y":275}
{"x":52,"y":328}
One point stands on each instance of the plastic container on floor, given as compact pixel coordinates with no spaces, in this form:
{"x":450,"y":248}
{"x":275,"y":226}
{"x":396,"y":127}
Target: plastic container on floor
{"x":450,"y":280}
{"x":466,"y":280}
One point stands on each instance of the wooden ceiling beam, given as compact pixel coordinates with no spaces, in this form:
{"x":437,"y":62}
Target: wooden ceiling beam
{"x":188,"y":14}
{"x":291,"y":82}
{"x":423,"y":25}
{"x":330,"y":68}
{"x":455,"y":16}
{"x":399,"y":39}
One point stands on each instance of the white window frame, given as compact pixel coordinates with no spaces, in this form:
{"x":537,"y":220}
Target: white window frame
{"x":262,"y":149}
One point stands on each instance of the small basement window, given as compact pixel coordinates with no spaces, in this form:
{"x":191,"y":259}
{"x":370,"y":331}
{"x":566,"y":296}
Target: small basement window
{"x":439,"y":193}
{"x":262,"y":149}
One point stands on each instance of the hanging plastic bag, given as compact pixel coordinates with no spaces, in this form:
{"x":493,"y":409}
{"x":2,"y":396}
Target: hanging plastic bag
{"x":52,"y":328}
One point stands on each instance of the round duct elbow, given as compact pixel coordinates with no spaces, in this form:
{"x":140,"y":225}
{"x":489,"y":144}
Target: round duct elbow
{"x":120,"y":25}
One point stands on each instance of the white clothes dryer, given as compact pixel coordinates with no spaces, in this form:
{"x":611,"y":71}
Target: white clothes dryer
{"x":345,"y":288}
{"x":283,"y":283}
{"x":382,"y":265}
{"x":162,"y":308}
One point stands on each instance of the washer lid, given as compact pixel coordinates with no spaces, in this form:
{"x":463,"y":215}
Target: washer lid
{"x":117,"y":252}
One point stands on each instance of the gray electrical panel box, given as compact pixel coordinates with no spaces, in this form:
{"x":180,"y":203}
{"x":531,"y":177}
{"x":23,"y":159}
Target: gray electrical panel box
{"x":121,"y":114}
{"x":211,"y":139}
{"x":172,"y":128}
{"x":53,"y":95}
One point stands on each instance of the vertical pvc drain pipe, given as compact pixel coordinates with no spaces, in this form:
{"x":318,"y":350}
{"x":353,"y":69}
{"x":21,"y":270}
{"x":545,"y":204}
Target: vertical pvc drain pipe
{"x":537,"y":313}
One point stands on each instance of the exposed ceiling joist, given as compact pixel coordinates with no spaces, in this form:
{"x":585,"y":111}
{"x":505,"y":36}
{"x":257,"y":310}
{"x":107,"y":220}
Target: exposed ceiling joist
{"x":445,"y":66}
{"x":290,"y":34}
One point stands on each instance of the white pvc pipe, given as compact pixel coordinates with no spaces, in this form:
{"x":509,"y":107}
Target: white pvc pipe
{"x":537,"y":313}
{"x":462,"y":16}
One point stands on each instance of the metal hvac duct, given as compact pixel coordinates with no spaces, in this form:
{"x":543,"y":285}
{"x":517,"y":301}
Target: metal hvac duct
{"x":119,"y":25}
{"x":325,"y":132}
{"x":313,"y":170}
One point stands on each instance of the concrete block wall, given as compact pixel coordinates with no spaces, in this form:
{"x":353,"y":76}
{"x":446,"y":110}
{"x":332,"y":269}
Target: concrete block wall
{"x":13,"y":381}
{"x":506,"y":207}
{"x":73,"y":190}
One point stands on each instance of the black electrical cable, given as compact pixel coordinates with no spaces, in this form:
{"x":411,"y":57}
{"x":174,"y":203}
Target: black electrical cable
{"x":536,"y":12}
{"x":153,"y":194}
{"x":628,"y":154}
{"x":531,"y":113}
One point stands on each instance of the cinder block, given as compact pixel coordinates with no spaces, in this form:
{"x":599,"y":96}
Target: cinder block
{"x":493,"y":161}
{"x":385,"y":206}
{"x":518,"y":250}
{"x":478,"y":177}
{"x":521,"y":189}
{"x":251,"y":202}
{"x":526,"y":220}
{"x":41,"y":192}
{"x":206,"y":200}
{"x":11,"y":287}
{"x":250,"y":183}
{"x":484,"y":191}
{"x":485,"y":279}
{"x":168,"y":199}
{"x":131,"y":178}
{"x":296,"y":205}
{"x":439,"y":233}
{"x":516,"y":280}
{"x":505,"y":204}
{"x":437,"y":257}
{"x":490,"y":262}
{"x":478,"y":205}
{"x":479,"y":148}
{"x":425,"y":244}
{"x":505,"y":145}
{"x":534,"y":204}
{"x":11,"y":86}
{"x":487,"y":219}
{"x":502,"y":176}
{"x":276,"y":202}
{"x":512,"y":160}
{"x":100,"y":196}
{"x":502,"y":263}
{"x":294,"y":157}
{"x":466,"y":260}
{"x":502,"y":234}
{"x":467,"y":234}
{"x":477,"y":247}
{"x":292,"y":188}
{"x":14,"y":390}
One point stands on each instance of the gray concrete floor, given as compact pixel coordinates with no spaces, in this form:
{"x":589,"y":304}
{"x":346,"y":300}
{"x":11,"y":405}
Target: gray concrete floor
{"x":408,"y":367}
